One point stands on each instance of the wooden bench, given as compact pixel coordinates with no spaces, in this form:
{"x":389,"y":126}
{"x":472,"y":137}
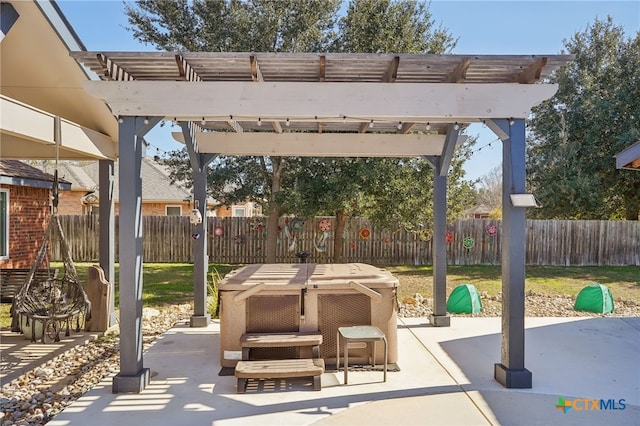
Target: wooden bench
{"x":12,"y":279}
{"x":279,"y":369}
{"x":280,"y":340}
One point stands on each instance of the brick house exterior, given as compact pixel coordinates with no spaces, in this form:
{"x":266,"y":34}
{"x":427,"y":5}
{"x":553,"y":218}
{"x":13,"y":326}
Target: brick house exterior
{"x":160,"y":197}
{"x":26,"y":192}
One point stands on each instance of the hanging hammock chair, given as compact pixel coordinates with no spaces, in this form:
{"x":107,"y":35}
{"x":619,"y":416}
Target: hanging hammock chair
{"x":47,"y":305}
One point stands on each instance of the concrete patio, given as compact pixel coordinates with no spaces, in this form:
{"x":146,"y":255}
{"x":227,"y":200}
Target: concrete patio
{"x":445,"y":378}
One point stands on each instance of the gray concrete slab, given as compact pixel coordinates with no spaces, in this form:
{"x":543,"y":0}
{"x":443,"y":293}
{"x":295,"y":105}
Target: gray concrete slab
{"x":445,"y":378}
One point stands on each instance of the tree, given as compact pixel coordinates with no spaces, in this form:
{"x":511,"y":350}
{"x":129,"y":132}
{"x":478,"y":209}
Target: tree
{"x":575,"y":135}
{"x":234,"y":25}
{"x":284,"y":185}
{"x":389,"y":191}
{"x":385,"y":26}
{"x":256,"y":25}
{"x":490,"y":191}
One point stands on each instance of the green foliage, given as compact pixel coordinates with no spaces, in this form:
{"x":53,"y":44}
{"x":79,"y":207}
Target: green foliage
{"x":385,"y":26}
{"x":576,"y":134}
{"x":213,"y":297}
{"x":234,"y":25}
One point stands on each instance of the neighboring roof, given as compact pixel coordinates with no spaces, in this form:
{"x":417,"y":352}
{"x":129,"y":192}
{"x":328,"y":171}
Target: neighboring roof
{"x":156,"y":184}
{"x":629,"y":158}
{"x":479,"y":209}
{"x":14,"y":172}
{"x":40,"y":81}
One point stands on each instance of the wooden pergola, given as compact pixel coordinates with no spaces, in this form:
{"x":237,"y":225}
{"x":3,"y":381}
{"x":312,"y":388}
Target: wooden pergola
{"x":343,"y":105}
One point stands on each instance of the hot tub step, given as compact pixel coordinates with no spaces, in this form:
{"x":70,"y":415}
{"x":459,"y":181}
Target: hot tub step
{"x":279,"y":369}
{"x":280,"y":340}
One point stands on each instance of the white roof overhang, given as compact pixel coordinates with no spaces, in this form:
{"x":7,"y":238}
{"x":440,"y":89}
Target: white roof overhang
{"x":30,"y":133}
{"x":39,"y":81}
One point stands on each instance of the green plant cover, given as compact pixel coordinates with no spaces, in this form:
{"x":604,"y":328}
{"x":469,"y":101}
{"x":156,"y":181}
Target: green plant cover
{"x":595,"y":298}
{"x":464,"y":299}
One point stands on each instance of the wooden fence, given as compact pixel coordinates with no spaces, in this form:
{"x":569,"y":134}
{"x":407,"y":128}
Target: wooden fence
{"x":472,"y":241}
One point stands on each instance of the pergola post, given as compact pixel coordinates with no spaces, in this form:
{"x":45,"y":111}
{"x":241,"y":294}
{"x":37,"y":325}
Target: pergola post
{"x":439,"y":317}
{"x":107,"y":229}
{"x":510,"y":372}
{"x":200,"y":317}
{"x":133,"y":377}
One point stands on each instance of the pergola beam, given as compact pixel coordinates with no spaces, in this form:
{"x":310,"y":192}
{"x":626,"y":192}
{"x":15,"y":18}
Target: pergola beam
{"x":320,"y":145}
{"x":188,"y":101}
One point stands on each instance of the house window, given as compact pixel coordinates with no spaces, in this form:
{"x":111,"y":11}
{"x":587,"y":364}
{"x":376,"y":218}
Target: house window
{"x":4,"y":224}
{"x":174,"y":211}
{"x":238,"y":212}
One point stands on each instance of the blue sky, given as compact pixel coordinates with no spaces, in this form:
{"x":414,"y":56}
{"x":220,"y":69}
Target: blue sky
{"x":483,"y":27}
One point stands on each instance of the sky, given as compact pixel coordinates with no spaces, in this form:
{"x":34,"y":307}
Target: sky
{"x":533,"y":27}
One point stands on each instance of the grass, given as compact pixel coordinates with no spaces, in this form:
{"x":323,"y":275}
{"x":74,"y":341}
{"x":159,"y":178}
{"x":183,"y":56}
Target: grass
{"x":172,"y":283}
{"x":623,"y":281}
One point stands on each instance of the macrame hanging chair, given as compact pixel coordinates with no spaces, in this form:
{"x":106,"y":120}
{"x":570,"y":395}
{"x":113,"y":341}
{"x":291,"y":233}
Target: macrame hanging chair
{"x":48,"y":303}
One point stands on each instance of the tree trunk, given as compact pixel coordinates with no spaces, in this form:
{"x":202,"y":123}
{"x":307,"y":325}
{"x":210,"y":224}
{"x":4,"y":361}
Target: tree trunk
{"x":338,"y":240}
{"x":274,"y":210}
{"x":272,"y":232}
{"x":632,"y":206}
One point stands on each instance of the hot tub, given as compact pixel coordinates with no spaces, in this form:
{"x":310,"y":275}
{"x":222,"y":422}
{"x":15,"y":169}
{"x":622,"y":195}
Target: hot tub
{"x":266,"y":298}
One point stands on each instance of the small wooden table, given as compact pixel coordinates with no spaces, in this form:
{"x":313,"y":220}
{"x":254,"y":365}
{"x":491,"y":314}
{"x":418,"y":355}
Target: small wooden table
{"x":360,"y":333}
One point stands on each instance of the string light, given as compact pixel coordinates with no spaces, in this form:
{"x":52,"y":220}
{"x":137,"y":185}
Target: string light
{"x":145,"y":121}
{"x":399,"y":126}
{"x":371,"y":124}
{"x":344,"y":119}
{"x":487,"y":145}
{"x":259,"y":122}
{"x":511,"y":121}
{"x":456,"y":126}
{"x":428,"y":126}
{"x":287,"y":123}
{"x":158,"y":149}
{"x":203,"y":122}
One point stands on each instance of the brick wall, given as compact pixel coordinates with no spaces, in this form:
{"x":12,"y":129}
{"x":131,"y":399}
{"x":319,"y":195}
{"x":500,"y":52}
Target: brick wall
{"x":69,"y":203}
{"x":159,"y":209}
{"x":29,"y":212}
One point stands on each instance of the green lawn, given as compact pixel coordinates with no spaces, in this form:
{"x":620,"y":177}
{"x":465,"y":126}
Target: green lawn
{"x":623,"y":281}
{"x":172,"y":283}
